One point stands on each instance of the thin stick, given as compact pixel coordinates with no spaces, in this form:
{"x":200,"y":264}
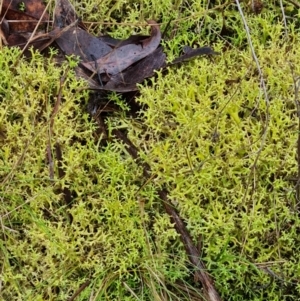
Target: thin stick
{"x":194,"y":256}
{"x":267,"y":102}
{"x":296,"y":3}
{"x":81,"y":288}
{"x":34,"y":31}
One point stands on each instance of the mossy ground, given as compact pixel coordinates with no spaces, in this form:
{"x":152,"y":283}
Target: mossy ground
{"x":226,"y":153}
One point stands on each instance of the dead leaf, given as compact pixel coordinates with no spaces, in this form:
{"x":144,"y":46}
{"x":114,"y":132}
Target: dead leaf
{"x":4,"y":31}
{"x":79,"y":42}
{"x":126,"y":81}
{"x":190,"y":53}
{"x":31,"y":8}
{"x":122,"y":57}
{"x":28,"y":12}
{"x":64,"y":13}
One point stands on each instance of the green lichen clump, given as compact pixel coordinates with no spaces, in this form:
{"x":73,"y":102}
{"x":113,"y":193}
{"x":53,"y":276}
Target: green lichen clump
{"x":223,"y":146}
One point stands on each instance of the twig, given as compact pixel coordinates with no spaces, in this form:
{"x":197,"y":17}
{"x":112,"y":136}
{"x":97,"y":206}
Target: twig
{"x":54,"y":34}
{"x":61,"y":173}
{"x":33,"y":33}
{"x":262,"y":81}
{"x":194,"y":256}
{"x":96,"y":68}
{"x":284,"y":20}
{"x":267,"y":102}
{"x":81,"y":288}
{"x":296,"y":84}
{"x":53,"y":114}
{"x":296,"y":3}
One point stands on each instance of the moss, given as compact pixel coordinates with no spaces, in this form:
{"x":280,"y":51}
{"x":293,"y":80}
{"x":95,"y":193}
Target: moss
{"x":203,"y":140}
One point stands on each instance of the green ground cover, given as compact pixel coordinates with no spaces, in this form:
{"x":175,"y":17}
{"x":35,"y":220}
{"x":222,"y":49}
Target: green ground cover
{"x":221,"y":138}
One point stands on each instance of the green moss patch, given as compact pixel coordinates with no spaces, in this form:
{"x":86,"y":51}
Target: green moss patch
{"x":225,"y":152}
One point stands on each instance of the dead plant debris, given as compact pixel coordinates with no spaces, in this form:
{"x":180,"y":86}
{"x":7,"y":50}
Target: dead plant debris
{"x":108,"y":64}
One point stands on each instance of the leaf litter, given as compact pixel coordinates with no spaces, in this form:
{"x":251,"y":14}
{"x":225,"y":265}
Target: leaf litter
{"x":115,"y":65}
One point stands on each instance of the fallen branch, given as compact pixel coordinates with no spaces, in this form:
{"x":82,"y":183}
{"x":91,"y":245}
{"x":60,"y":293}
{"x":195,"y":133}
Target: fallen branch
{"x":201,"y":274}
